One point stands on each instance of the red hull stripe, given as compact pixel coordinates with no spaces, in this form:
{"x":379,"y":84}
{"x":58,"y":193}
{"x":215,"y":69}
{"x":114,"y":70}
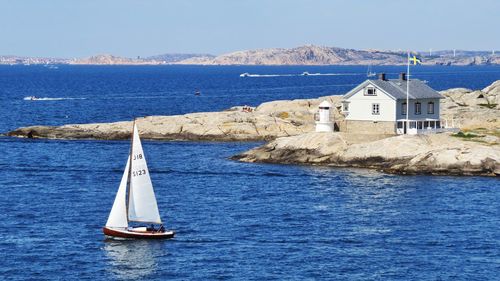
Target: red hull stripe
{"x":137,"y":235}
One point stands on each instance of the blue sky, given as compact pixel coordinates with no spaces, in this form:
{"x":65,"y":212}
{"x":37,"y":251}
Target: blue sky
{"x":79,"y":28}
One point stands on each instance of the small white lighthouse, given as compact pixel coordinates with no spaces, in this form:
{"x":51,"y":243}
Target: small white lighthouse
{"x":323,"y":123}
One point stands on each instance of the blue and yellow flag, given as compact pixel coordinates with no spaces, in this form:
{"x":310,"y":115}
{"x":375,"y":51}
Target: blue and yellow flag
{"x":415,"y":60}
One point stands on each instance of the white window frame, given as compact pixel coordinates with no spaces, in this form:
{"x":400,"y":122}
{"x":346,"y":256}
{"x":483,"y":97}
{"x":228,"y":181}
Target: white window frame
{"x":430,"y":107}
{"x":345,"y":106}
{"x":403,"y":108}
{"x":418,"y":108}
{"x":375,"y":108}
{"x":367,"y":89}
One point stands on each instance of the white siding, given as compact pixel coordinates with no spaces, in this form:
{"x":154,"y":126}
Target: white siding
{"x":360,"y":107}
{"x":424,"y":114}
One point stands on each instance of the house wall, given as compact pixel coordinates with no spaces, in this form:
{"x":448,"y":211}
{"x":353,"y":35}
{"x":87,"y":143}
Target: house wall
{"x":424,"y":114}
{"x":360,"y":107}
{"x":367,"y":127}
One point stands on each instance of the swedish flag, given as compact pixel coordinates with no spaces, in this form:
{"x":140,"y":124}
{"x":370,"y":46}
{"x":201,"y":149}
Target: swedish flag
{"x":415,"y":60}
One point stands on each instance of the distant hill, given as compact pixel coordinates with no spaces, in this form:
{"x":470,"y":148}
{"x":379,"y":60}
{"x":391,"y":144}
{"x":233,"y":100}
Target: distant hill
{"x":304,"y":55}
{"x":318,"y":55}
{"x":171,"y":58}
{"x":153,"y":60}
{"x":110,"y":60}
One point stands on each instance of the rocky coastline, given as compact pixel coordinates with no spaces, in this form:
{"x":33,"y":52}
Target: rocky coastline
{"x":436,"y":154}
{"x":302,"y":55}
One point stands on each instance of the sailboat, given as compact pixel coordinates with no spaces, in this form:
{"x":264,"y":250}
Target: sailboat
{"x":135,"y":200}
{"x":369,"y":72}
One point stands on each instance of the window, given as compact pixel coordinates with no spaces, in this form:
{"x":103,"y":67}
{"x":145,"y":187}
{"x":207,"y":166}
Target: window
{"x":418,"y":108}
{"x":346,"y":106}
{"x":403,"y":108}
{"x":375,"y":109}
{"x":370,"y":91}
{"x":430,"y":108}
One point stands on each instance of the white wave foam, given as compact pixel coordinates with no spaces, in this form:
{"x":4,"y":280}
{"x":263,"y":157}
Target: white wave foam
{"x":32,"y":98}
{"x":330,"y":74}
{"x":303,"y":74}
{"x":269,"y":75}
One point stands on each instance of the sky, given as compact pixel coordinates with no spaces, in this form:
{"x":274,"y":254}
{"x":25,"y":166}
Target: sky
{"x":131,"y":28}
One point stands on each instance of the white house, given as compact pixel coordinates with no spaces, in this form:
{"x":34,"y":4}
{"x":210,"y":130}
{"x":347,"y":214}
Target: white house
{"x":379,"y":107}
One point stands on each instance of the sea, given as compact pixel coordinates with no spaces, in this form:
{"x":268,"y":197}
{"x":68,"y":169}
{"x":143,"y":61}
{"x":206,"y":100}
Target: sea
{"x":233,"y":221}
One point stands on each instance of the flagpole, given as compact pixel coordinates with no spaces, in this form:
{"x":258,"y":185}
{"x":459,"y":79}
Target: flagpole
{"x":408,"y":93}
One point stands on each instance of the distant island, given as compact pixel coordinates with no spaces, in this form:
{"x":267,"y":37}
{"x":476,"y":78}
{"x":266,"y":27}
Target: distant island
{"x":304,"y":55}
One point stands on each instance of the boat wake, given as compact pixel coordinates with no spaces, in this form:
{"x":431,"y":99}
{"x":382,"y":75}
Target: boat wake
{"x":266,"y":75}
{"x":293,"y":75}
{"x":33,"y":98}
{"x":330,"y":74}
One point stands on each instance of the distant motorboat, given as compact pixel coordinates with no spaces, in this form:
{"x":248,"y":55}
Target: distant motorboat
{"x":305,"y":73}
{"x":31,"y":98}
{"x":246,"y":74}
{"x":197,"y":93}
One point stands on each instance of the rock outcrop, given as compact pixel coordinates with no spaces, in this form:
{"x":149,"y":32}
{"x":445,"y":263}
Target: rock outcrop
{"x":266,"y":122}
{"x":320,"y":55}
{"x":436,"y":154}
{"x":234,"y":125}
{"x":471,"y":109}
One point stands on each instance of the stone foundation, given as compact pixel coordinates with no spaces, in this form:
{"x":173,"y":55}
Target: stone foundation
{"x":367,"y":127}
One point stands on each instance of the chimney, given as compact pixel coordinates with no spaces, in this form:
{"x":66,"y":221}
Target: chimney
{"x":381,"y":76}
{"x":402,"y":76}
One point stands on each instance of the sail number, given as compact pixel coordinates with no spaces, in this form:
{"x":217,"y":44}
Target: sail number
{"x":137,"y":156}
{"x":138,"y":173}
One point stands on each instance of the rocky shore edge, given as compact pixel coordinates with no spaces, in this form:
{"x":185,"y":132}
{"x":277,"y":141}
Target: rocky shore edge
{"x":437,"y":154}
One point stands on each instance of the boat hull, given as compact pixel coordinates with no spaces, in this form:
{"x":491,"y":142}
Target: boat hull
{"x":124,"y":233}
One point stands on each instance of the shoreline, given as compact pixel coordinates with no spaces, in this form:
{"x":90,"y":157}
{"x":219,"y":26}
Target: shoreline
{"x":438,"y":154}
{"x":288,"y":128}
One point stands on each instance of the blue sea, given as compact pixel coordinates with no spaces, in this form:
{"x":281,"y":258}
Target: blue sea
{"x":234,"y":221}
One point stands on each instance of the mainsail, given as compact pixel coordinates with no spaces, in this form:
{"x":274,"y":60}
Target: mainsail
{"x":142,"y":205}
{"x":118,"y":215}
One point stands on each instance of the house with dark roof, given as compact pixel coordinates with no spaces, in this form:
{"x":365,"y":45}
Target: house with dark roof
{"x":380,"y":107}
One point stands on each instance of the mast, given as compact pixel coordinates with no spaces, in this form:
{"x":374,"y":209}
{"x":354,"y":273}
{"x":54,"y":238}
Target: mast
{"x":407,"y":94}
{"x":127,"y":199}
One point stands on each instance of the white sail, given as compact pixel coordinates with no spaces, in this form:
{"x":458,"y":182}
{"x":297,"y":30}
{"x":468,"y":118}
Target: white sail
{"x":142,"y":201}
{"x":118,"y":215}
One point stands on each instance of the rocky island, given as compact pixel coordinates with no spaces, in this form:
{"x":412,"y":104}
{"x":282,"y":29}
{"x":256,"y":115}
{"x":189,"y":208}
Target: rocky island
{"x":322,"y":55}
{"x":289,"y":125}
{"x":302,"y":55}
{"x":437,"y":154}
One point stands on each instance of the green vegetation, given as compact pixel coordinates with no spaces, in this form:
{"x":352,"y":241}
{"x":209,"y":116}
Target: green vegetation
{"x":465,"y":135}
{"x":489,"y":105}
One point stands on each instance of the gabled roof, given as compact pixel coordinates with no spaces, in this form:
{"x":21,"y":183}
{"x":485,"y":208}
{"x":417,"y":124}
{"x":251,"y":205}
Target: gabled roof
{"x":396,"y":89}
{"x":325,"y":104}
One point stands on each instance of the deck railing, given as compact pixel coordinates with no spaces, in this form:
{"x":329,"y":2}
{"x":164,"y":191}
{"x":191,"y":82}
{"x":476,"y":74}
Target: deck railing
{"x":426,"y":126}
